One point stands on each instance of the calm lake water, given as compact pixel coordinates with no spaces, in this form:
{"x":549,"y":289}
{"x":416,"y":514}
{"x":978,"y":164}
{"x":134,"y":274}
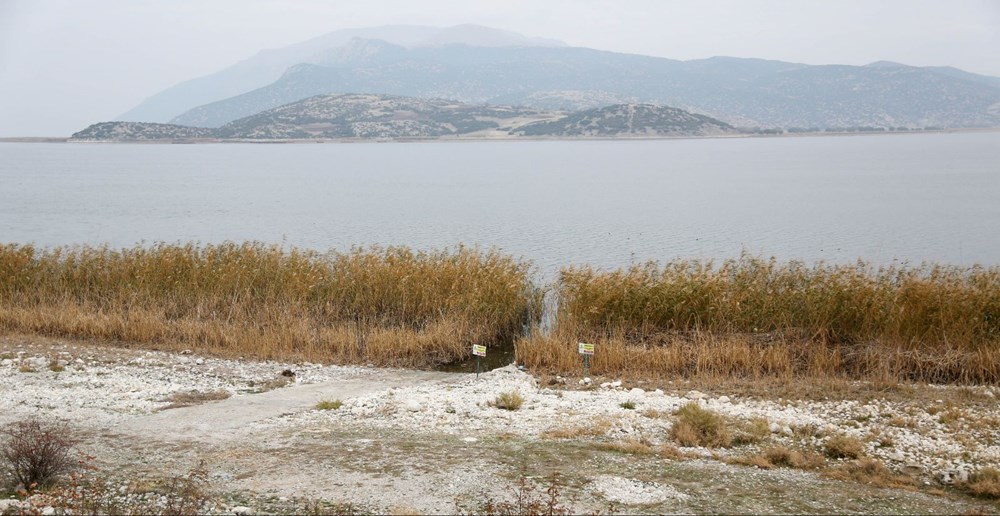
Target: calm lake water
{"x":608,"y":203}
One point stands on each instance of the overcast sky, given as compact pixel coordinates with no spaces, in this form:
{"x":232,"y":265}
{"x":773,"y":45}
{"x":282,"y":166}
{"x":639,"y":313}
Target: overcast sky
{"x":67,"y":63}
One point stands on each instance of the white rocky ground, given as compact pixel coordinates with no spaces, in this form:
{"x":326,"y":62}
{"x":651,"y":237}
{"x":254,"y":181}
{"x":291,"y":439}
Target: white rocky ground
{"x":393,"y":425}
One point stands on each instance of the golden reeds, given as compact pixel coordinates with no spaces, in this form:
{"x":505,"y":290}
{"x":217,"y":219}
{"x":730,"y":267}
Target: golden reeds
{"x":391,"y":306}
{"x":747,"y":317}
{"x":751,"y":317}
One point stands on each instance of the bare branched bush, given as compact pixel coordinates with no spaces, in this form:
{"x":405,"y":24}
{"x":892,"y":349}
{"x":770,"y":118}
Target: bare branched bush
{"x":526,"y":499}
{"x":35,"y":453}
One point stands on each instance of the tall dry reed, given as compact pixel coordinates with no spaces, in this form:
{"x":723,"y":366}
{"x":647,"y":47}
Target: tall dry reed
{"x":391,"y":306}
{"x":751,"y":317}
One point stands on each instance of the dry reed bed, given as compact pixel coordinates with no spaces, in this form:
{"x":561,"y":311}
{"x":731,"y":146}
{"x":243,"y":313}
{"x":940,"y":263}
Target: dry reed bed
{"x":391,"y":306}
{"x":746,"y":318}
{"x":751,"y":317}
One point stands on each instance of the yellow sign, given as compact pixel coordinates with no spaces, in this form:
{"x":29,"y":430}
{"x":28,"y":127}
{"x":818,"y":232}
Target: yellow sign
{"x":586,"y":349}
{"x":478,"y":350}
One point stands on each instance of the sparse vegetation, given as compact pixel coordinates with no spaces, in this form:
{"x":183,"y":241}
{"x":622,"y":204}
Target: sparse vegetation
{"x":511,"y":400}
{"x":984,"y":483}
{"x":35,"y":453}
{"x":186,"y":399}
{"x":872,"y":472}
{"x":329,"y":405}
{"x":90,"y":492}
{"x":597,"y":428}
{"x":697,"y":426}
{"x":525,"y":499}
{"x":627,"y":405}
{"x":844,"y":447}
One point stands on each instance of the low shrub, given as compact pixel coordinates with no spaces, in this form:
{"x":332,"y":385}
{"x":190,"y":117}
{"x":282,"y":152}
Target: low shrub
{"x":511,"y":400}
{"x":329,"y":405}
{"x":872,"y":472}
{"x":696,"y":426}
{"x":35,"y":453}
{"x":844,"y":447}
{"x":984,"y":483}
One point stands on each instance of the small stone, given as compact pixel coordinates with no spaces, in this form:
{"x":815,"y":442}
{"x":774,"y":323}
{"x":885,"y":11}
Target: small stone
{"x":605,"y":385}
{"x":616,"y":384}
{"x":787,"y":430}
{"x":7,"y":362}
{"x":187,"y":352}
{"x":48,"y":511}
{"x":658,"y":392}
{"x":775,"y":428}
{"x":637,"y":392}
{"x":911,"y":469}
{"x":469,"y":439}
{"x":199,"y":361}
{"x":946,"y":476}
{"x":241,"y":511}
{"x":695,"y":395}
{"x":723,"y":399}
{"x":13,"y":506}
{"x":413,"y":406}
{"x":586,"y":381}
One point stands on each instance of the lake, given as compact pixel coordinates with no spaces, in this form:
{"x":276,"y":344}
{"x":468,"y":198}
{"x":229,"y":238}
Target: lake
{"x":910,"y":197}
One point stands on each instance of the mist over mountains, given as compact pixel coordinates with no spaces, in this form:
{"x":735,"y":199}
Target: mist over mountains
{"x":479,"y":65}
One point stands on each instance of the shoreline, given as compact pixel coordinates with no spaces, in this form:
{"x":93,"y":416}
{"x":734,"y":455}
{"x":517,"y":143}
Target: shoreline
{"x":480,"y":139}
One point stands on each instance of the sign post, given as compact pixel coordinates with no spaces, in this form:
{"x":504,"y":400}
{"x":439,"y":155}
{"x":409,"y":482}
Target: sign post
{"x":586,"y":350}
{"x":479,"y":351}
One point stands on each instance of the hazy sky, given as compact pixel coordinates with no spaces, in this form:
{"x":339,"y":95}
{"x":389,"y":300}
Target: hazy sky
{"x":67,"y":63}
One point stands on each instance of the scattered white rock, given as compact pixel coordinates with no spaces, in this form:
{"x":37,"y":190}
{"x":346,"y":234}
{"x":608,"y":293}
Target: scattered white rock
{"x":723,"y":399}
{"x":199,"y":361}
{"x":241,"y":511}
{"x":635,"y":492}
{"x":615,"y":384}
{"x":413,"y":406}
{"x":585,"y":381}
{"x":695,"y":395}
{"x":635,"y":391}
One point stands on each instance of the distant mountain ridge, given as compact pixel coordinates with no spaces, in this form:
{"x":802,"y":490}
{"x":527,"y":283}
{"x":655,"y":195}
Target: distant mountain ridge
{"x":476,"y":64}
{"x":268,"y":66}
{"x":742,"y":92}
{"x":369,"y":116}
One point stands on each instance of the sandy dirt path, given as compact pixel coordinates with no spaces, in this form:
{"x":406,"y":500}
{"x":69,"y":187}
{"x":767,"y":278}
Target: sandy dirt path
{"x":220,"y":420}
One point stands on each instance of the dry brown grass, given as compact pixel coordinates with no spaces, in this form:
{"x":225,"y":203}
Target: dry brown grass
{"x":755,"y":318}
{"x":597,"y":428}
{"x":984,"y":483}
{"x":388,"y":306}
{"x":696,"y":426}
{"x":871,"y":472}
{"x":844,"y":447}
{"x":186,"y":399}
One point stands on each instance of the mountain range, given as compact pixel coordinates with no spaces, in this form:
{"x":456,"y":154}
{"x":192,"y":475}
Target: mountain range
{"x":479,"y":65}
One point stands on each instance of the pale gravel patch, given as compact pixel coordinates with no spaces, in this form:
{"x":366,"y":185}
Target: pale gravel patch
{"x":103,"y":387}
{"x":635,"y":492}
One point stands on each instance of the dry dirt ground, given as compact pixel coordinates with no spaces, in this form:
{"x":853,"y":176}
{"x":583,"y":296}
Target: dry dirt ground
{"x":431,"y":442}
